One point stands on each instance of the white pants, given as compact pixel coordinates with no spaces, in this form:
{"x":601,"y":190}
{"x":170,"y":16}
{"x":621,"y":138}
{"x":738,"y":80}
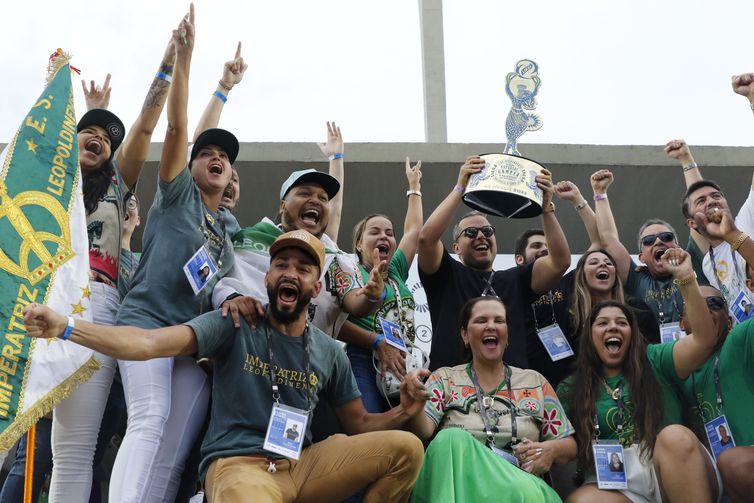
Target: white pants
{"x":76,"y":420}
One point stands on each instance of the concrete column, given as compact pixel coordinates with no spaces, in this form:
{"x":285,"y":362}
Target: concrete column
{"x":433,"y":71}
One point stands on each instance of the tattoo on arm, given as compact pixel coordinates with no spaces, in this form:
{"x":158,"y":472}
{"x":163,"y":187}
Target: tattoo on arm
{"x":166,"y":68}
{"x":157,"y":91}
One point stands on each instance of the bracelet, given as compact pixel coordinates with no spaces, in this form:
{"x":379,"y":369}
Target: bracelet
{"x":685,"y":281}
{"x":739,"y":241}
{"x":600,"y":197}
{"x":381,"y":298}
{"x":459,"y":189}
{"x":224,"y":85}
{"x":164,"y":76}
{"x":689,"y":167}
{"x":548,"y":208}
{"x":378,"y":339}
{"x":339,"y":155}
{"x":413,"y":193}
{"x":220,"y":95}
{"x":580,"y":206}
{"x":68,"y":329}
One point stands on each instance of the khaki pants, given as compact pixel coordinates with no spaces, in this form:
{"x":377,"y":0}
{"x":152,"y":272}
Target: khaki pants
{"x":386,"y":463}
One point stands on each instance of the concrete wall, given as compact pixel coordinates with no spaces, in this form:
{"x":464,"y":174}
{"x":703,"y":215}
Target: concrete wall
{"x":647,"y":184}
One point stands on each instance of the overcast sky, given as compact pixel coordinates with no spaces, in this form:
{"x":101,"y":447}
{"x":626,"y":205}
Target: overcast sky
{"x":621,"y":72}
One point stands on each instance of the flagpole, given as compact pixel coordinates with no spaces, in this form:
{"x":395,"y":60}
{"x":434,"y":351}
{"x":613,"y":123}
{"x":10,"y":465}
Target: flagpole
{"x":31,"y":442}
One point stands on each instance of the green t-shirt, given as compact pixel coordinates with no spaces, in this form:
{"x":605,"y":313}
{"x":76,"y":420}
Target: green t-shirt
{"x":178,"y":224}
{"x":241,"y":389}
{"x":661,"y":359}
{"x":736,"y":384}
{"x":397,"y":273}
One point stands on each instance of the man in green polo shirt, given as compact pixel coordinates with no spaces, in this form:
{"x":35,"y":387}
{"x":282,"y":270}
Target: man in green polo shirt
{"x":267,"y":379}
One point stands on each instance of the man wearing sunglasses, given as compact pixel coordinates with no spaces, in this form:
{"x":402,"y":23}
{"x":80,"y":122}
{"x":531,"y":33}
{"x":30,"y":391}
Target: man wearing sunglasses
{"x":731,"y":366}
{"x":449,"y":283}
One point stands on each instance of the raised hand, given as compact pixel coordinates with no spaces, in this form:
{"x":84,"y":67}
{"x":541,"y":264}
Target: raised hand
{"x":679,"y":150}
{"x":96,"y":96}
{"x":544,"y":182}
{"x":744,"y":85}
{"x":601,"y":180}
{"x":183,"y":36}
{"x":677,"y":261}
{"x":473,"y":165}
{"x":376,"y":281}
{"x":568,"y":191}
{"x":43,"y":322}
{"x":233,"y":70}
{"x":718,"y":223}
{"x":413,"y":174}
{"x":334,"y":143}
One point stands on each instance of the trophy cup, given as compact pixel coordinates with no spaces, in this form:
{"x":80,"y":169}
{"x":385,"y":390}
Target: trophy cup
{"x":506,"y":186}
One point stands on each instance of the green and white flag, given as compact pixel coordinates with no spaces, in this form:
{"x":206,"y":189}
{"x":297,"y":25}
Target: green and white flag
{"x":43,"y":257}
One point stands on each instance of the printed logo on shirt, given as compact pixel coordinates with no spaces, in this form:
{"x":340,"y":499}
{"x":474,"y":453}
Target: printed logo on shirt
{"x":723,"y":270}
{"x":286,"y":377}
{"x":544,"y":300}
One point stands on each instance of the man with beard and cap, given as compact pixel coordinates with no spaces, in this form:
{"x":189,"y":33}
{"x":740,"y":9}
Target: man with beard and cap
{"x":650,"y":282}
{"x":263,"y":377}
{"x":309,"y":200}
{"x":449,"y":283}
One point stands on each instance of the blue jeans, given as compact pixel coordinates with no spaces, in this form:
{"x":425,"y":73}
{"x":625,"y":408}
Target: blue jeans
{"x":13,"y":489}
{"x":366,"y":376}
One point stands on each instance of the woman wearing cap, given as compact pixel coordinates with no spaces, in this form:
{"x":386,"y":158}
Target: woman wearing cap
{"x":628,"y":387}
{"x":364,"y":335}
{"x":167,"y":398}
{"x":108,"y":180}
{"x":501,"y":427}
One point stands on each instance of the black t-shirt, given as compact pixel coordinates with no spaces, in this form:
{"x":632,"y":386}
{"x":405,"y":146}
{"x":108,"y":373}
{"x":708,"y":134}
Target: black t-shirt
{"x":452,"y":285}
{"x":562,"y":300}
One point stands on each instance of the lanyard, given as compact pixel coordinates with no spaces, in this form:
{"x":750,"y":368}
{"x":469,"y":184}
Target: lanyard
{"x":273,"y":380}
{"x":211,"y":236}
{"x":718,"y":389}
{"x":488,"y":290}
{"x":552,"y":308}
{"x":617,"y":395}
{"x":660,"y":290}
{"x":483,"y":408}
{"x":720,"y":286}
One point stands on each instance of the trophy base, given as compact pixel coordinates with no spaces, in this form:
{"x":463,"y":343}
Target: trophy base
{"x":502,"y":204}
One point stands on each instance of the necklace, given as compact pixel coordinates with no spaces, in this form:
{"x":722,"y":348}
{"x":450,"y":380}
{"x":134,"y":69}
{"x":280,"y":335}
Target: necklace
{"x":614,"y":393}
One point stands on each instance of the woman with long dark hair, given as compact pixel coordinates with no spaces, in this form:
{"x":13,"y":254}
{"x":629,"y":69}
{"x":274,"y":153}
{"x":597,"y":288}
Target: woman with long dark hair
{"x":625,"y":385}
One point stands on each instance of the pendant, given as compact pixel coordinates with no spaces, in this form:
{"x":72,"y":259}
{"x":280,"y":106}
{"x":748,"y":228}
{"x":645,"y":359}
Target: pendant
{"x":272,"y":468}
{"x":615,"y":394}
{"x":487,"y":401}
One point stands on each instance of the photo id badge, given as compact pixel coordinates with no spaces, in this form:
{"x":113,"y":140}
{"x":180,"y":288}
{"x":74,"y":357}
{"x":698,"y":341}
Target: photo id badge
{"x":742,"y":308}
{"x":555,"y":342}
{"x":719,"y":435}
{"x":609,"y":466}
{"x":393,"y":334}
{"x":510,"y":458}
{"x":199,"y":270}
{"x":286,"y":431}
{"x":670,"y":332}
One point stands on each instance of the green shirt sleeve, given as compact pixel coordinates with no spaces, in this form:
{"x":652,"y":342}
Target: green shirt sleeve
{"x":400,"y":265}
{"x":342,"y":387}
{"x":214,"y":334}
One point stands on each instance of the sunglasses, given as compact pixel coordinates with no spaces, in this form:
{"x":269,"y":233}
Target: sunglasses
{"x":665,"y":237}
{"x":472,"y":232}
{"x":716,"y":303}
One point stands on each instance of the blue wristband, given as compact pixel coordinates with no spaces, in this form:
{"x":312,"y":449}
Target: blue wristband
{"x":163,"y":76}
{"x":339,"y":155}
{"x":68,"y":329}
{"x":384,"y":294}
{"x":380,"y":338}
{"x":220,"y":95}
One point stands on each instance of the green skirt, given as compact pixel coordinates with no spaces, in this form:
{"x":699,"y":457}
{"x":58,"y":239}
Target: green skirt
{"x":457,"y":468}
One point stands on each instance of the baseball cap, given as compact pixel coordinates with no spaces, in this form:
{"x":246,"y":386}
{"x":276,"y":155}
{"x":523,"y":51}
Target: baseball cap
{"x":329,"y":183}
{"x":220,"y":137}
{"x":108,"y":121}
{"x":303,"y":240}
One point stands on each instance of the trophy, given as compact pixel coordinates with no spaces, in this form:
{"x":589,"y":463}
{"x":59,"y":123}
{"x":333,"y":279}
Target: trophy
{"x":506,"y":186}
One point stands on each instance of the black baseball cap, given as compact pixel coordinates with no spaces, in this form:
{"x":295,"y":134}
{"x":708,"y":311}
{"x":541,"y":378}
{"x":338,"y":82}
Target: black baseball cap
{"x":220,"y":137}
{"x":108,"y":121}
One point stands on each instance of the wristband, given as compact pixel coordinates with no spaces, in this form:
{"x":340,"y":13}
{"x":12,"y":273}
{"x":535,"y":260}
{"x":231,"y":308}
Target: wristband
{"x":224,"y":85}
{"x":461,"y":190}
{"x":68,"y":329}
{"x":685,"y":281}
{"x":381,"y":298}
{"x":164,"y":76}
{"x":413,"y":193}
{"x":581,"y":205}
{"x":380,"y":338}
{"x":600,"y":197}
{"x":339,"y":155}
{"x":689,"y":167}
{"x":220,"y":95}
{"x":739,"y":241}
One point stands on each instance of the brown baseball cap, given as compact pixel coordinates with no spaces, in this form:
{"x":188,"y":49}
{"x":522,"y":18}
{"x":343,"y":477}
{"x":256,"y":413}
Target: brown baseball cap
{"x":303,"y":240}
